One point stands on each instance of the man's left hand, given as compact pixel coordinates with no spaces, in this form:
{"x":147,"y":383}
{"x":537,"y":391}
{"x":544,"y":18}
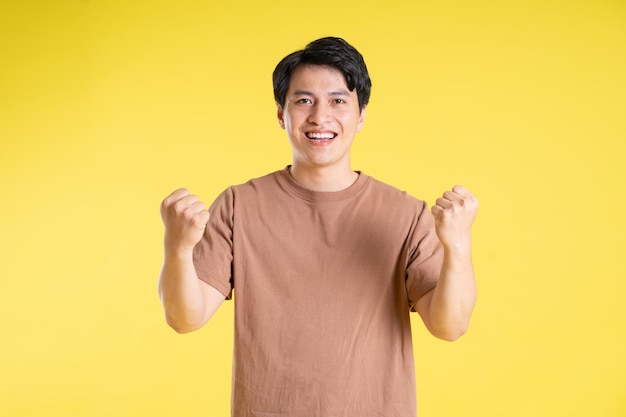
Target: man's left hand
{"x":454,"y":215}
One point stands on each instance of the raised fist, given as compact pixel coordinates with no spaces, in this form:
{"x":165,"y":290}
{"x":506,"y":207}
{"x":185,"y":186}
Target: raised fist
{"x":454,"y":215}
{"x":185,"y":218}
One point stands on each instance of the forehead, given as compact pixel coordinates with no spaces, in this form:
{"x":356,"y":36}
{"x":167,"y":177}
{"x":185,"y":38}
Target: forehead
{"x":318,"y":79}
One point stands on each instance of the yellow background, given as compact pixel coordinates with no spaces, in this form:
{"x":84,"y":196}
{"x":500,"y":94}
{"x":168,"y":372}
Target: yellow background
{"x":106,"y":106}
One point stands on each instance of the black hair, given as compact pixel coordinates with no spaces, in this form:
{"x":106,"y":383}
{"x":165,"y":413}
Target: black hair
{"x":332,"y":52}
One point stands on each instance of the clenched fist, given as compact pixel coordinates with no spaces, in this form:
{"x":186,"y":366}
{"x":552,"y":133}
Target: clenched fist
{"x":454,"y":214}
{"x":185,"y":218}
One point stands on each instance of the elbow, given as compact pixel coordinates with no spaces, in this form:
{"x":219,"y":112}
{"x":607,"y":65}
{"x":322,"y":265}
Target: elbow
{"x":450,"y":332}
{"x":450,"y":324}
{"x":183,"y":320}
{"x":182,"y":330}
{"x":450,"y":336}
{"x":182,"y":327}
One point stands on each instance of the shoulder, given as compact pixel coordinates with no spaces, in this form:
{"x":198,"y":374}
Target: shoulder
{"x":394,"y":196}
{"x":241,"y":195}
{"x":254,"y":190}
{"x":263,"y":183}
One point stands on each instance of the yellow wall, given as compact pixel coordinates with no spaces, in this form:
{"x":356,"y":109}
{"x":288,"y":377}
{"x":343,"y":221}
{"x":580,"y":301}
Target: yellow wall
{"x":106,"y":106}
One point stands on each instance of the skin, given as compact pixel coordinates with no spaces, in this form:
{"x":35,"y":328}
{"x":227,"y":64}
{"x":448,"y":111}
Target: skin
{"x":188,"y":301}
{"x":446,"y":310}
{"x":321,"y":118}
{"x":318,"y":102}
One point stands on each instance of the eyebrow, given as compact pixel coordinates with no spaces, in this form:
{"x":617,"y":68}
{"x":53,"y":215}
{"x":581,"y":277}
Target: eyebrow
{"x":332,"y":93}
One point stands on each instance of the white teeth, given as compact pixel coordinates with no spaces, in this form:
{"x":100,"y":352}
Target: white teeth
{"x":320,"y":135}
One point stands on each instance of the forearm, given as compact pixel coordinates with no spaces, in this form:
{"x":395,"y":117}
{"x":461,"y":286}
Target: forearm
{"x":454,"y":297}
{"x":181,"y":293}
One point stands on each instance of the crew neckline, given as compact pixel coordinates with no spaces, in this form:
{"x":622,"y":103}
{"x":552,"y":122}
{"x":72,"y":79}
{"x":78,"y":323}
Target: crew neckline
{"x":294,"y":187}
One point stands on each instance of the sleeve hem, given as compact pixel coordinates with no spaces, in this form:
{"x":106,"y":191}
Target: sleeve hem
{"x":225,"y":290}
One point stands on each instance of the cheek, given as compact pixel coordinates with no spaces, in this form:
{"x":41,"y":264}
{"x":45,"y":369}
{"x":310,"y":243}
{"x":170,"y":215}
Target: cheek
{"x":353,"y":122}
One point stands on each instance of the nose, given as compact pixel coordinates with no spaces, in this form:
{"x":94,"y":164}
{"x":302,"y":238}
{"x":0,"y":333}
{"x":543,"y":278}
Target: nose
{"x":320,"y":113}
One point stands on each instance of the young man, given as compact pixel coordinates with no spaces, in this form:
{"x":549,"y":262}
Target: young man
{"x":325,"y":262}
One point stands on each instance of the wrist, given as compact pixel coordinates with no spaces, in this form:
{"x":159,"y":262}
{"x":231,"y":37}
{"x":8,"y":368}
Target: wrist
{"x":177,"y":254}
{"x":458,"y":248}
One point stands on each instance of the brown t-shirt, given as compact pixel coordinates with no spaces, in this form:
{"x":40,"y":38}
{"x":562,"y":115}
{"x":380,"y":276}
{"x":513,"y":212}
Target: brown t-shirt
{"x":323,"y":284}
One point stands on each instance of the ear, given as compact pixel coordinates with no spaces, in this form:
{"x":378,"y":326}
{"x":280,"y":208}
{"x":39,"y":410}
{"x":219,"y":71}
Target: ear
{"x":361,"y":119}
{"x":280,"y":114}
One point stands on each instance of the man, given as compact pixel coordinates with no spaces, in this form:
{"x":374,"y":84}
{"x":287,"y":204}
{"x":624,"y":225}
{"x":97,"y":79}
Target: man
{"x":325,"y":262}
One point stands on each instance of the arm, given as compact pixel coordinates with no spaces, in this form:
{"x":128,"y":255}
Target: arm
{"x":446,"y":310}
{"x":188,"y":302}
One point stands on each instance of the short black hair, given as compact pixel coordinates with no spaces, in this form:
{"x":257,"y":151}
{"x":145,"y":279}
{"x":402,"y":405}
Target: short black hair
{"x":331,"y":52}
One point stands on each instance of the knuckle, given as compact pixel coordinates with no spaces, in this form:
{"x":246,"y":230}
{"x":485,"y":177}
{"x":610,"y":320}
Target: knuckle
{"x":166,"y":202}
{"x":197,"y":222}
{"x":188,"y":213}
{"x":179,"y":207}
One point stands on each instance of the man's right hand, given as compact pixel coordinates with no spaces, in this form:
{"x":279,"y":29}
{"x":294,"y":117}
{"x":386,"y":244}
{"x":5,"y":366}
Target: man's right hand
{"x":184,"y":217}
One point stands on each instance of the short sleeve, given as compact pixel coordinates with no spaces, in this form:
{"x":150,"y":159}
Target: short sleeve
{"x":213,"y":255}
{"x":425,"y":257}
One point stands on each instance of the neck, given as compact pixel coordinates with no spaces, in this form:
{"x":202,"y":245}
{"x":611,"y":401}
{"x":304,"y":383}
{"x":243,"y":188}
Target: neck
{"x":323,"y":178}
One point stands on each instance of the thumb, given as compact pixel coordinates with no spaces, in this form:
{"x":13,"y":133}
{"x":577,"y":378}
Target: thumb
{"x":201,"y":219}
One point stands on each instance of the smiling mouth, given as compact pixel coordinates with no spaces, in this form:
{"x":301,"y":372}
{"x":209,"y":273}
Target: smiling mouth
{"x":318,"y":137}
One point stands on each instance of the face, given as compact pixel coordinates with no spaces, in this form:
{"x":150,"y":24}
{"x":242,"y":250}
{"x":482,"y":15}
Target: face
{"x":321,"y":117}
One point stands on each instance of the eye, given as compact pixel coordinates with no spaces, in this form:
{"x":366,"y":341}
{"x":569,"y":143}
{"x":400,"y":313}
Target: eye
{"x":338,"y":101}
{"x":304,"y":100}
